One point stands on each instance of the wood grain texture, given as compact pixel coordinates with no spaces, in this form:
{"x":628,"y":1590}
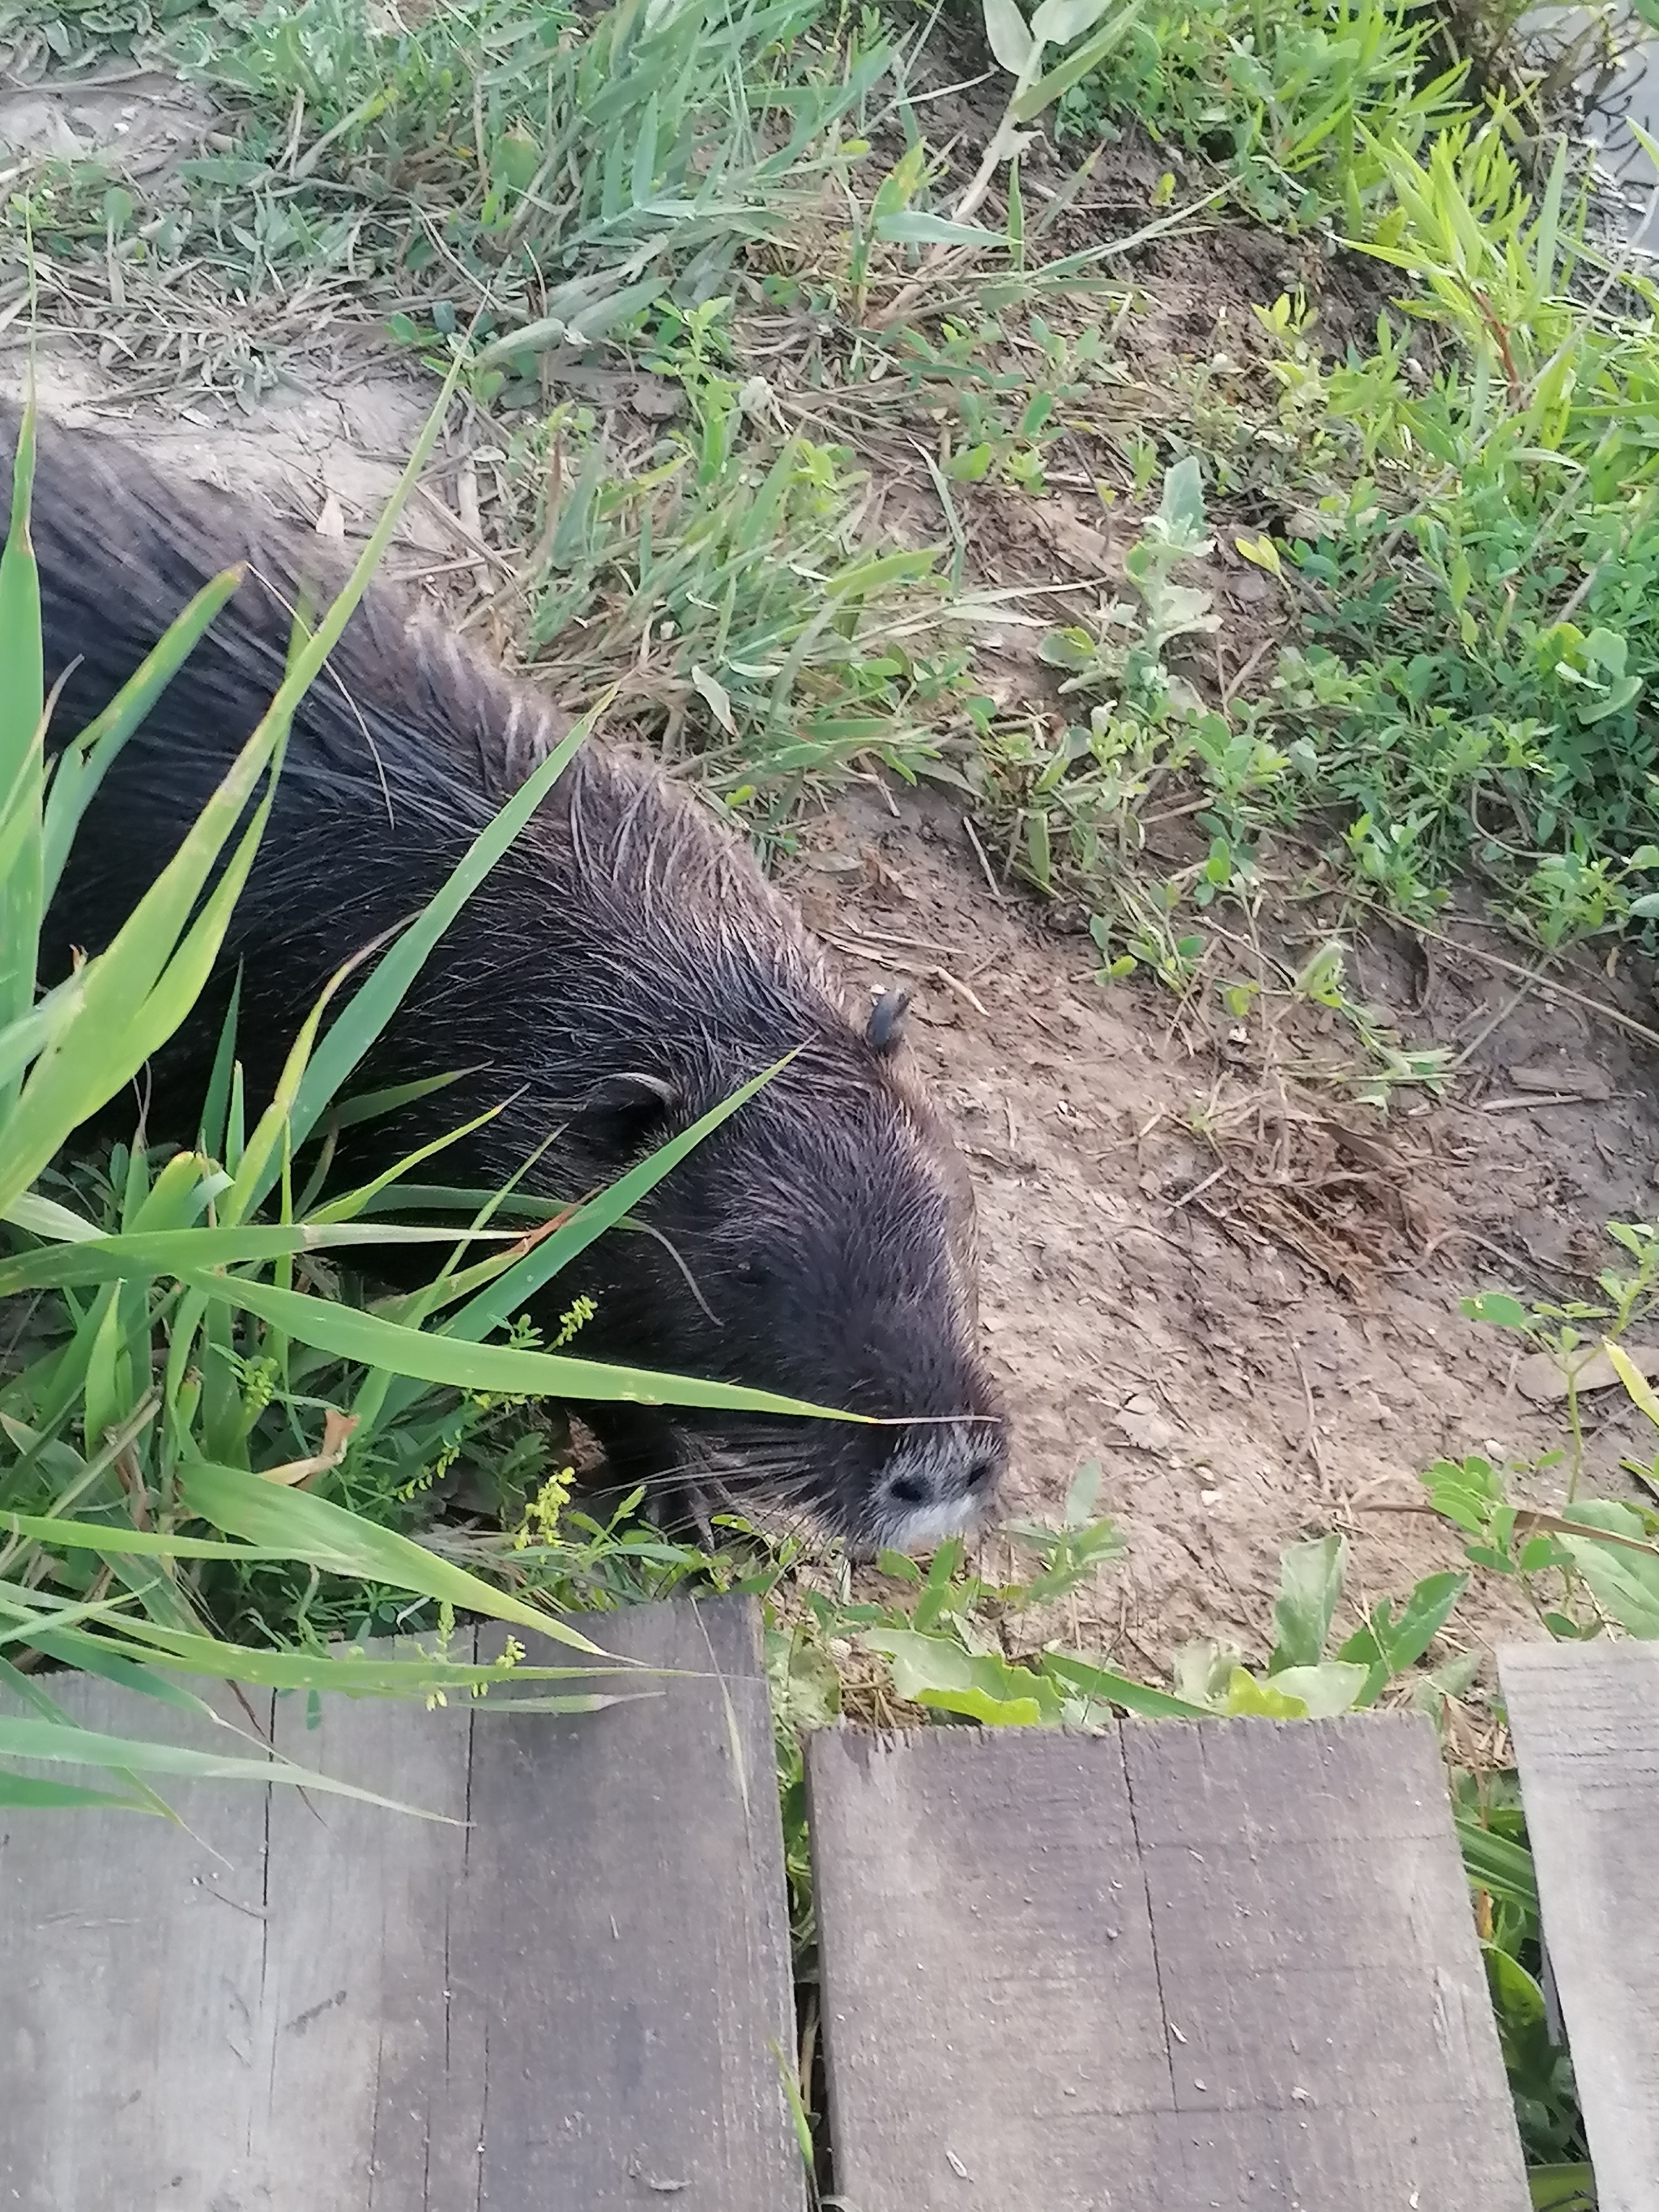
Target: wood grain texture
{"x":1585,"y":1721}
{"x":1168,"y":1969}
{"x":355,"y":2097}
{"x":322,"y":2007}
{"x":122,"y":1938}
{"x":628,"y":1977}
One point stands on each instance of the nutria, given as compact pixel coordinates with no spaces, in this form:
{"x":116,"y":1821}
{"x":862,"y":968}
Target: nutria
{"x":623,"y":969}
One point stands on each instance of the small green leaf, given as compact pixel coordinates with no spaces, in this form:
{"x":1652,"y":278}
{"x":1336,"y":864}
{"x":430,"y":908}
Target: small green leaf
{"x":1623,"y":1580}
{"x":1323,"y":1691}
{"x":1499,"y":1310}
{"x":1623,"y":692}
{"x":1006,"y":35}
{"x":899,"y":1567}
{"x":1182,"y":503}
{"x":1260,"y":1700}
{"x":516,"y":158}
{"x":912,"y":226}
{"x":1309,"y":1584}
{"x":937,"y":1671}
{"x":971,"y":465}
{"x":1080,"y":1497}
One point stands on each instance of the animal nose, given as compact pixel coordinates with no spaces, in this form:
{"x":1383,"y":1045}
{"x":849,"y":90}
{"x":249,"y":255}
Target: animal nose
{"x":944,"y":1480}
{"x":942,"y":1486}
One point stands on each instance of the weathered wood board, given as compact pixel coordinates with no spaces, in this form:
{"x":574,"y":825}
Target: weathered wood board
{"x":1585,"y":1721}
{"x":581,"y":2000}
{"x":1172,"y":1968}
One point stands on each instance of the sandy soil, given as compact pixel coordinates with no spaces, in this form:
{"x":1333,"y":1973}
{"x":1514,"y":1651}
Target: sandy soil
{"x":1240,"y":1297}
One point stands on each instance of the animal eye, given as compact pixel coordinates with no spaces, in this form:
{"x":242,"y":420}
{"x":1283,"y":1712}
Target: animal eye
{"x":750,"y":1270}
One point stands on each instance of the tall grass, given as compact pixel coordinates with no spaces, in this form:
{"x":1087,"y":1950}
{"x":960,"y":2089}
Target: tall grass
{"x":188,"y":1402}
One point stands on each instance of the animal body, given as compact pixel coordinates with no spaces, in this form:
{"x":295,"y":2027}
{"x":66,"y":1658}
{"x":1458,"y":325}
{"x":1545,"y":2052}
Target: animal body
{"x":623,"y":969}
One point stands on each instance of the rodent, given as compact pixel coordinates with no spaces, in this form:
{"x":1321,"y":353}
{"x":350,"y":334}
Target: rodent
{"x":622,"y":970}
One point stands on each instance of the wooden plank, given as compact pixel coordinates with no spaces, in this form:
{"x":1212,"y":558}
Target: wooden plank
{"x":123,"y":1938}
{"x":1317,"y":1950}
{"x":628,"y":1974}
{"x":356,"y":2100}
{"x":1165,"y":1969}
{"x":576,"y":2000}
{"x":1585,"y":1721}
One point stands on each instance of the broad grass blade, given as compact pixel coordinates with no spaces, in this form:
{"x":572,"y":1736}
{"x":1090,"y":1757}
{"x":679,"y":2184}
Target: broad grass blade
{"x":329,"y":1537}
{"x":373,"y":1342}
{"x":94,"y":1259}
{"x":22,"y":693}
{"x":60,"y":1742}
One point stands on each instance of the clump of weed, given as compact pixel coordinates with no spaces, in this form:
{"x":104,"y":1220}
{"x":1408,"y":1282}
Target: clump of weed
{"x":1478,"y":592}
{"x":725,"y":569}
{"x":1296,"y":102}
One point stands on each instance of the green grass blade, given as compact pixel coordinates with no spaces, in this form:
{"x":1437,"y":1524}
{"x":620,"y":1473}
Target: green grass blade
{"x":29,"y":1794}
{"x":94,"y":1060}
{"x":344,"y":1669}
{"x":22,"y":693}
{"x":372,"y":1342}
{"x":110,"y":1038}
{"x":352,"y":1203}
{"x":24,"y":1039}
{"x":511,"y":1291}
{"x":371,"y":1105}
{"x":1562,"y":2188}
{"x":128,"y":1670}
{"x":272,"y":1142}
{"x":450,"y":1198}
{"x":43,"y":1217}
{"x":62,"y":1743}
{"x":82,"y":765}
{"x":215,"y":1109}
{"x":162,"y":1252}
{"x":1494,"y":1863}
{"x":1122,"y":1690}
{"x":327,"y":1536}
{"x":108,"y":1541}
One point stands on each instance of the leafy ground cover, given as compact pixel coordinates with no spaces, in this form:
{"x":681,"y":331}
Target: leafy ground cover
{"x":827,"y":411}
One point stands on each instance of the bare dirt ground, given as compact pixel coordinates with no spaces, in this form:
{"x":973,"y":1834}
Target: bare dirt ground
{"x":1242,"y":1297}
{"x":1238,"y":1294}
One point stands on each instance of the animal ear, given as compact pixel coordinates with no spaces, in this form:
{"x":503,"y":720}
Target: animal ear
{"x":630,"y":1105}
{"x":885,"y":1027}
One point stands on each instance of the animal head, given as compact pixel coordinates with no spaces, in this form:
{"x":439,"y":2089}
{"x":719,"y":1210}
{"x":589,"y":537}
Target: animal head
{"x":813,"y":1246}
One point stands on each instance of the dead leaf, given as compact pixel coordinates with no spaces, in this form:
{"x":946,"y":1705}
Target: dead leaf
{"x":1144,"y":1425}
{"x":884,"y":880}
{"x":1540,"y":1379}
{"x":336,"y":1435}
{"x":1089,"y":552}
{"x":1586,"y":1083}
